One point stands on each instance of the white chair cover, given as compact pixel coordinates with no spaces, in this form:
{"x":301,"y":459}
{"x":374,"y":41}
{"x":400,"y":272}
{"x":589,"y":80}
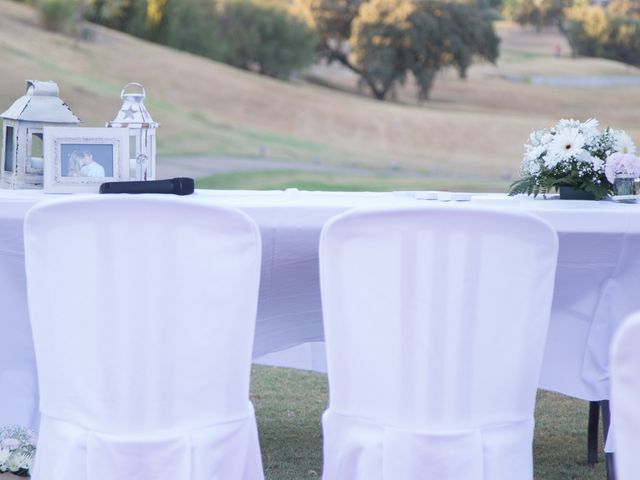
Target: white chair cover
{"x":143,"y":313}
{"x":435,"y":322}
{"x":625,"y":398}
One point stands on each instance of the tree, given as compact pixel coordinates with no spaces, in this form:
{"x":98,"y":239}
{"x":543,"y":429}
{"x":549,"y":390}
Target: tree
{"x":331,"y":19}
{"x":629,"y":9}
{"x":587,"y":28}
{"x":382,"y":47}
{"x":624,"y":40}
{"x":264,"y":37}
{"x":128,"y":16}
{"x":469,"y":36}
{"x":599,"y":31}
{"x":388,"y":40}
{"x":538,"y":13}
{"x":542,"y":13}
{"x":191,"y":25}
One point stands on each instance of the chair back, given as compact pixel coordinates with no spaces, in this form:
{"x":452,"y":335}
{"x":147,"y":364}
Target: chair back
{"x":625,"y":397}
{"x":435,"y":318}
{"x":143,"y":313}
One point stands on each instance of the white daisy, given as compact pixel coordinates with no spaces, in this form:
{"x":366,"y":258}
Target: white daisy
{"x":622,"y":142}
{"x":564,"y":124}
{"x":591,"y":124}
{"x":535,"y":137}
{"x":533,"y":168}
{"x":567,"y":143}
{"x":590,"y":130}
{"x":586,"y":157}
{"x":551,"y":160}
{"x":547,"y":137}
{"x":534,"y":152}
{"x":598,"y":164}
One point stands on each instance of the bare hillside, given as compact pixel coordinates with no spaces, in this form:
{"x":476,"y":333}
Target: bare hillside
{"x":475,"y":126}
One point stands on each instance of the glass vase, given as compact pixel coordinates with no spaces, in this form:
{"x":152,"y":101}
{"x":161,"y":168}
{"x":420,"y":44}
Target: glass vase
{"x":624,"y":185}
{"x":568,"y":192}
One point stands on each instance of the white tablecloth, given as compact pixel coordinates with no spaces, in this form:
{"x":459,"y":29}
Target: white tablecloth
{"x":596,"y":285}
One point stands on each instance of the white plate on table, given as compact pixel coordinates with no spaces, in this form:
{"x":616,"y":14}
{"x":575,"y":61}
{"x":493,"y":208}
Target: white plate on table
{"x":443,"y":196}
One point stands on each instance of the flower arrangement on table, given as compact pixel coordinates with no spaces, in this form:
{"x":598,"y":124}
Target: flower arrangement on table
{"x":17,"y":450}
{"x":578,"y":155}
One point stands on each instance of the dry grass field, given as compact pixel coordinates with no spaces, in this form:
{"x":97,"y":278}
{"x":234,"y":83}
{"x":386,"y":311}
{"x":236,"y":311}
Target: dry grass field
{"x":474,"y":127}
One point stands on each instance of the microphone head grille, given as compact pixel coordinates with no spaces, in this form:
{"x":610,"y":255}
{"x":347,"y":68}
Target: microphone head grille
{"x":183,"y":185}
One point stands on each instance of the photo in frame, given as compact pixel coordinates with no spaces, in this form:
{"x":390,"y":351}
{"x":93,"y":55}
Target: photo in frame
{"x":79,"y":160}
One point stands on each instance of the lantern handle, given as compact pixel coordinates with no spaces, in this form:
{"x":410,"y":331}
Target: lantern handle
{"x":132,"y":84}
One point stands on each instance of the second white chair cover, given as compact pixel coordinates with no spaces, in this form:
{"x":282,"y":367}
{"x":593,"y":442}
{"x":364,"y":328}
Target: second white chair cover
{"x":143,"y":313}
{"x":435,"y":323}
{"x":625,"y":398}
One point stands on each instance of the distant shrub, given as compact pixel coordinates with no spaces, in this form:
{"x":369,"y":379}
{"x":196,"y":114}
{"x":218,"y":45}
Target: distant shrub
{"x":57,"y":15}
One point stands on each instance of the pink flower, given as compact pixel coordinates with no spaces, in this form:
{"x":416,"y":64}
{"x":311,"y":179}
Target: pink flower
{"x":621,"y":163}
{"x":11,"y":443}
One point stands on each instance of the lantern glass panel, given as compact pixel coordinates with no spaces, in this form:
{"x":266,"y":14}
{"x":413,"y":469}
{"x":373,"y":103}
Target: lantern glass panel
{"x":8,"y":149}
{"x":37,"y":146}
{"x":35,"y":155}
{"x":133,"y":146}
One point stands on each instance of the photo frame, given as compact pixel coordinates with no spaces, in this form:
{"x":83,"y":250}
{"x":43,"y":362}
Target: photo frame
{"x":79,"y":160}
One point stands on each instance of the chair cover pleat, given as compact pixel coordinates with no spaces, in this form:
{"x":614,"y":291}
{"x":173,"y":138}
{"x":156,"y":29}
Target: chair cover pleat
{"x":227,"y":450}
{"x":366,"y":449}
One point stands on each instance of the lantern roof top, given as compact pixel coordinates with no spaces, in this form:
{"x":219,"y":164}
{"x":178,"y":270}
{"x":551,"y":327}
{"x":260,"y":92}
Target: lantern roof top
{"x":40,"y":104}
{"x":133,"y":113}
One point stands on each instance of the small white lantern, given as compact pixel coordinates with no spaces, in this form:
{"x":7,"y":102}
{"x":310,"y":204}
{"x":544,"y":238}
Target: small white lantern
{"x":142,"y":132}
{"x":22,"y":162}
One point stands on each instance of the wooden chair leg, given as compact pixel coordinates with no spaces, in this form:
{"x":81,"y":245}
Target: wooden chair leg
{"x":592,"y":432}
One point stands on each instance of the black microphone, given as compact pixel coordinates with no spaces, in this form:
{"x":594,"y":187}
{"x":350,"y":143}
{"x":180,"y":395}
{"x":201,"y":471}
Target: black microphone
{"x":177,"y":186}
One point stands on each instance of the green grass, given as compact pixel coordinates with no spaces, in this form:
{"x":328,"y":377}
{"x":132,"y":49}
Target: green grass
{"x":211,"y":135}
{"x":511,"y":55}
{"x":289,"y":404}
{"x":560,"y":445}
{"x":283,"y":179}
{"x":288,"y":407}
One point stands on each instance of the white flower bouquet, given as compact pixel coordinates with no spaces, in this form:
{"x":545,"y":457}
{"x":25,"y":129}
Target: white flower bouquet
{"x":578,"y":155}
{"x":17,"y":450}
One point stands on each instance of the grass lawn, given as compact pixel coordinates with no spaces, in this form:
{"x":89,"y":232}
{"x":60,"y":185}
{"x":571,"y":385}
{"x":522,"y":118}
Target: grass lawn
{"x":283,"y":179}
{"x":289,"y":404}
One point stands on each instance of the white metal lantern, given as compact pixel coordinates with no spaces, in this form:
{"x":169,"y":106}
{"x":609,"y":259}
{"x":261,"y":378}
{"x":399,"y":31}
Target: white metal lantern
{"x":22,"y":162}
{"x":142,"y":132}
